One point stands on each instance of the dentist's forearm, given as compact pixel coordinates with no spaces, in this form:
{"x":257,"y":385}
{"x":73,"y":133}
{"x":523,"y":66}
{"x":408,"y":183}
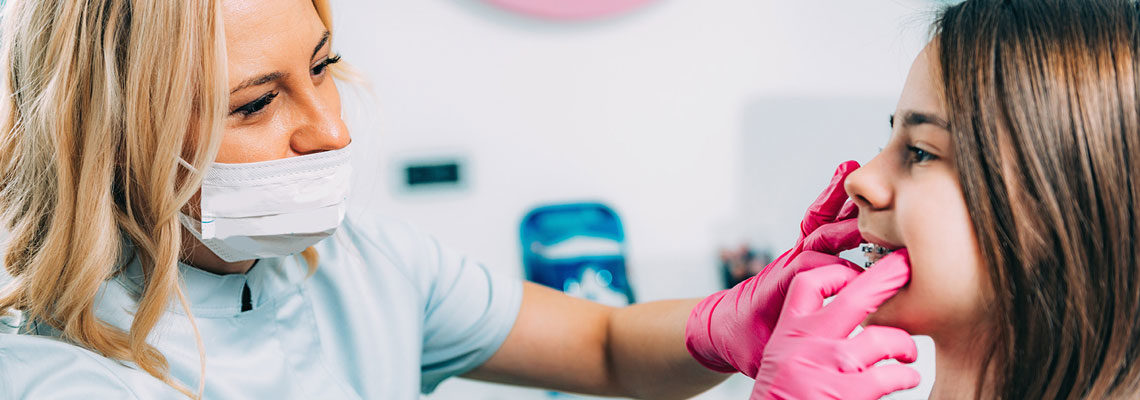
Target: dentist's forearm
{"x":647,"y":355}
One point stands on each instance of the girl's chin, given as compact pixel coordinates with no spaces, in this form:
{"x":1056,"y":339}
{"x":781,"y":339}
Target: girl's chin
{"x":891,"y":313}
{"x":880,"y":319}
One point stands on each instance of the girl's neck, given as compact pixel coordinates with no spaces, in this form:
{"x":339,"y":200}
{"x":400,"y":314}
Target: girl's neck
{"x":958,"y":365}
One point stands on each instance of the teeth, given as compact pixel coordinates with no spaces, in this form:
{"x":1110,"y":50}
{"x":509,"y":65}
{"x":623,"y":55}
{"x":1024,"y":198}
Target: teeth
{"x":873,"y":252}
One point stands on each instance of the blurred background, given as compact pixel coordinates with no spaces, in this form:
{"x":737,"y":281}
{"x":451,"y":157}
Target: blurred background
{"x":699,"y":130}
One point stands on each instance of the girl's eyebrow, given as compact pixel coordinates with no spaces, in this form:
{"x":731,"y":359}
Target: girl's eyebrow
{"x":912,"y":118}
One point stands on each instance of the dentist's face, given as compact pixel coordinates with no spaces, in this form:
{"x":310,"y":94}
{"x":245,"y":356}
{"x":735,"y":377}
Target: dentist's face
{"x":283,"y":102}
{"x":909,"y":196}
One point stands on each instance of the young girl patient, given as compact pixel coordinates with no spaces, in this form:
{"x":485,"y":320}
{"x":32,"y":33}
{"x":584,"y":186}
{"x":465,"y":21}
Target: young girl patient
{"x":1012,"y":177}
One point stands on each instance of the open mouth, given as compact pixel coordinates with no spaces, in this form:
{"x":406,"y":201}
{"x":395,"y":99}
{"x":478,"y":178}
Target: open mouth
{"x":874,"y":253}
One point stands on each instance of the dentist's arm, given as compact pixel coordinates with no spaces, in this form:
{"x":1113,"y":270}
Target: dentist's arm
{"x":645,"y":350}
{"x":568,"y":344}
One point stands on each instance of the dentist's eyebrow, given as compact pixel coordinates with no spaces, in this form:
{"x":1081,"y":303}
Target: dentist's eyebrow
{"x":320,"y":44}
{"x":260,"y":80}
{"x":272,"y":76}
{"x":914,"y":118}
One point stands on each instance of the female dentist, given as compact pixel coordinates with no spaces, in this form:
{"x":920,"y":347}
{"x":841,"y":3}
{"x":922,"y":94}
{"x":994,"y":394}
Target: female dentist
{"x":175,"y":193}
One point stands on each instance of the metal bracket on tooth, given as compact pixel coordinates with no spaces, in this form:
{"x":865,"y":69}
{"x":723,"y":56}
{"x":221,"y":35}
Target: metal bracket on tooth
{"x":870,"y":250}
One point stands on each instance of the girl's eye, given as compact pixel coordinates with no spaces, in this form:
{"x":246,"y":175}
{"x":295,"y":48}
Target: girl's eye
{"x":321,"y":66}
{"x":257,"y":105}
{"x":918,"y":155}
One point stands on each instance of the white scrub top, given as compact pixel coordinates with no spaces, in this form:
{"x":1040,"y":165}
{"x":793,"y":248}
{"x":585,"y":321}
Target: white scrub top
{"x":388,"y":314}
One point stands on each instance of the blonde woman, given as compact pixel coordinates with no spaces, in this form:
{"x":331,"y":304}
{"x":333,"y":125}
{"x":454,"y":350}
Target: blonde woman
{"x":172,"y":174}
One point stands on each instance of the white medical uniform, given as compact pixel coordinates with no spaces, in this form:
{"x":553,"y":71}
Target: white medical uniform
{"x":388,"y":314}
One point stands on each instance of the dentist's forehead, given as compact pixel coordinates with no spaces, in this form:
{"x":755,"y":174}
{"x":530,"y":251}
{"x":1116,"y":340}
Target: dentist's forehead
{"x":265,"y":35}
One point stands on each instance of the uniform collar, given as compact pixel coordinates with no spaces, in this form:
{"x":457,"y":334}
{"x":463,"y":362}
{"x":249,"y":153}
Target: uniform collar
{"x":213,"y":295}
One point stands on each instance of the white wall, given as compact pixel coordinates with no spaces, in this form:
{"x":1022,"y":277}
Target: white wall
{"x":700,"y":122}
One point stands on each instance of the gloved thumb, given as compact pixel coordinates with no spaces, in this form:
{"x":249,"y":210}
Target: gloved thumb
{"x":864,"y":294}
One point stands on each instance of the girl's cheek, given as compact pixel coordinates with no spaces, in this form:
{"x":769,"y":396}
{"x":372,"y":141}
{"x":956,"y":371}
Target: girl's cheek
{"x":937,"y":289}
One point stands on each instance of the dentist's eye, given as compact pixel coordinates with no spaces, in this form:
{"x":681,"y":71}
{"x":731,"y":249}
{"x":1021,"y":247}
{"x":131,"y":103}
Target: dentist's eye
{"x":918,"y":155}
{"x":323,"y":65}
{"x":254,"y":106}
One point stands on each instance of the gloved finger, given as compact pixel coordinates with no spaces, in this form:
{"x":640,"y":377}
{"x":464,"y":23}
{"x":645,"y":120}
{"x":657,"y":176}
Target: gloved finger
{"x":778,"y":263}
{"x":809,"y":260}
{"x":829,"y":203}
{"x":849,"y":210}
{"x":876,"y":343}
{"x":879,"y":381}
{"x":834,"y":237}
{"x":863,"y":295}
{"x":809,"y":288}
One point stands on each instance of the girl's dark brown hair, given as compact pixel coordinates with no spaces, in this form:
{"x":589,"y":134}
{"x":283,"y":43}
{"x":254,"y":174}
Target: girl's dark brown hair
{"x":1043,"y":106}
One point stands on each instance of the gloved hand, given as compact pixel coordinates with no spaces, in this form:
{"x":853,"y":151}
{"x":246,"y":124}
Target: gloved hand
{"x":810,"y":355}
{"x":727,"y":331}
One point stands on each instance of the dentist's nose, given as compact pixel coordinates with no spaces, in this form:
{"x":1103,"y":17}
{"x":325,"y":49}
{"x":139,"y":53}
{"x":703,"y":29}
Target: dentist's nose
{"x":322,"y":128}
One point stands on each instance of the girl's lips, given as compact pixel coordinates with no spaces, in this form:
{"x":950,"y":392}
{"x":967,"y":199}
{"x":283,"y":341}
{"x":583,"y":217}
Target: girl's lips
{"x":876,"y":248}
{"x":875,"y":240}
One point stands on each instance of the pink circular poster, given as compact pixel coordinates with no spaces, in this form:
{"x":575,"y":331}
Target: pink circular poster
{"x":569,"y":9}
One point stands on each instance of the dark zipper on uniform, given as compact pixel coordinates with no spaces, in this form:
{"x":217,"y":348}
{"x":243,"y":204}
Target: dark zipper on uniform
{"x":246,"y":300}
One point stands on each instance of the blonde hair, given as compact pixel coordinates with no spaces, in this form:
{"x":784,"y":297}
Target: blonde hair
{"x":100,"y":100}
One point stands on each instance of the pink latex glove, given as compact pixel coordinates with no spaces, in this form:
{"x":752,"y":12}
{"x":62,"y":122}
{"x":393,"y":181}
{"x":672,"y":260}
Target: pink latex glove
{"x":727,"y":331}
{"x":810,"y":355}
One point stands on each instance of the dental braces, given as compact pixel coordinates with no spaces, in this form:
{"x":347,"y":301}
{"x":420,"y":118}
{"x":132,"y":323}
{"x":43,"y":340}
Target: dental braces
{"x":873,"y":252}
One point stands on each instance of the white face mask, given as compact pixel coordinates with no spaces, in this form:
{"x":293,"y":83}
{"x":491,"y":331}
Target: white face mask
{"x":271,"y":208}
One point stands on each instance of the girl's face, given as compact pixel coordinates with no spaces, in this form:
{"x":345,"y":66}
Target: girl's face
{"x":283,"y":102}
{"x":909,"y":196}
